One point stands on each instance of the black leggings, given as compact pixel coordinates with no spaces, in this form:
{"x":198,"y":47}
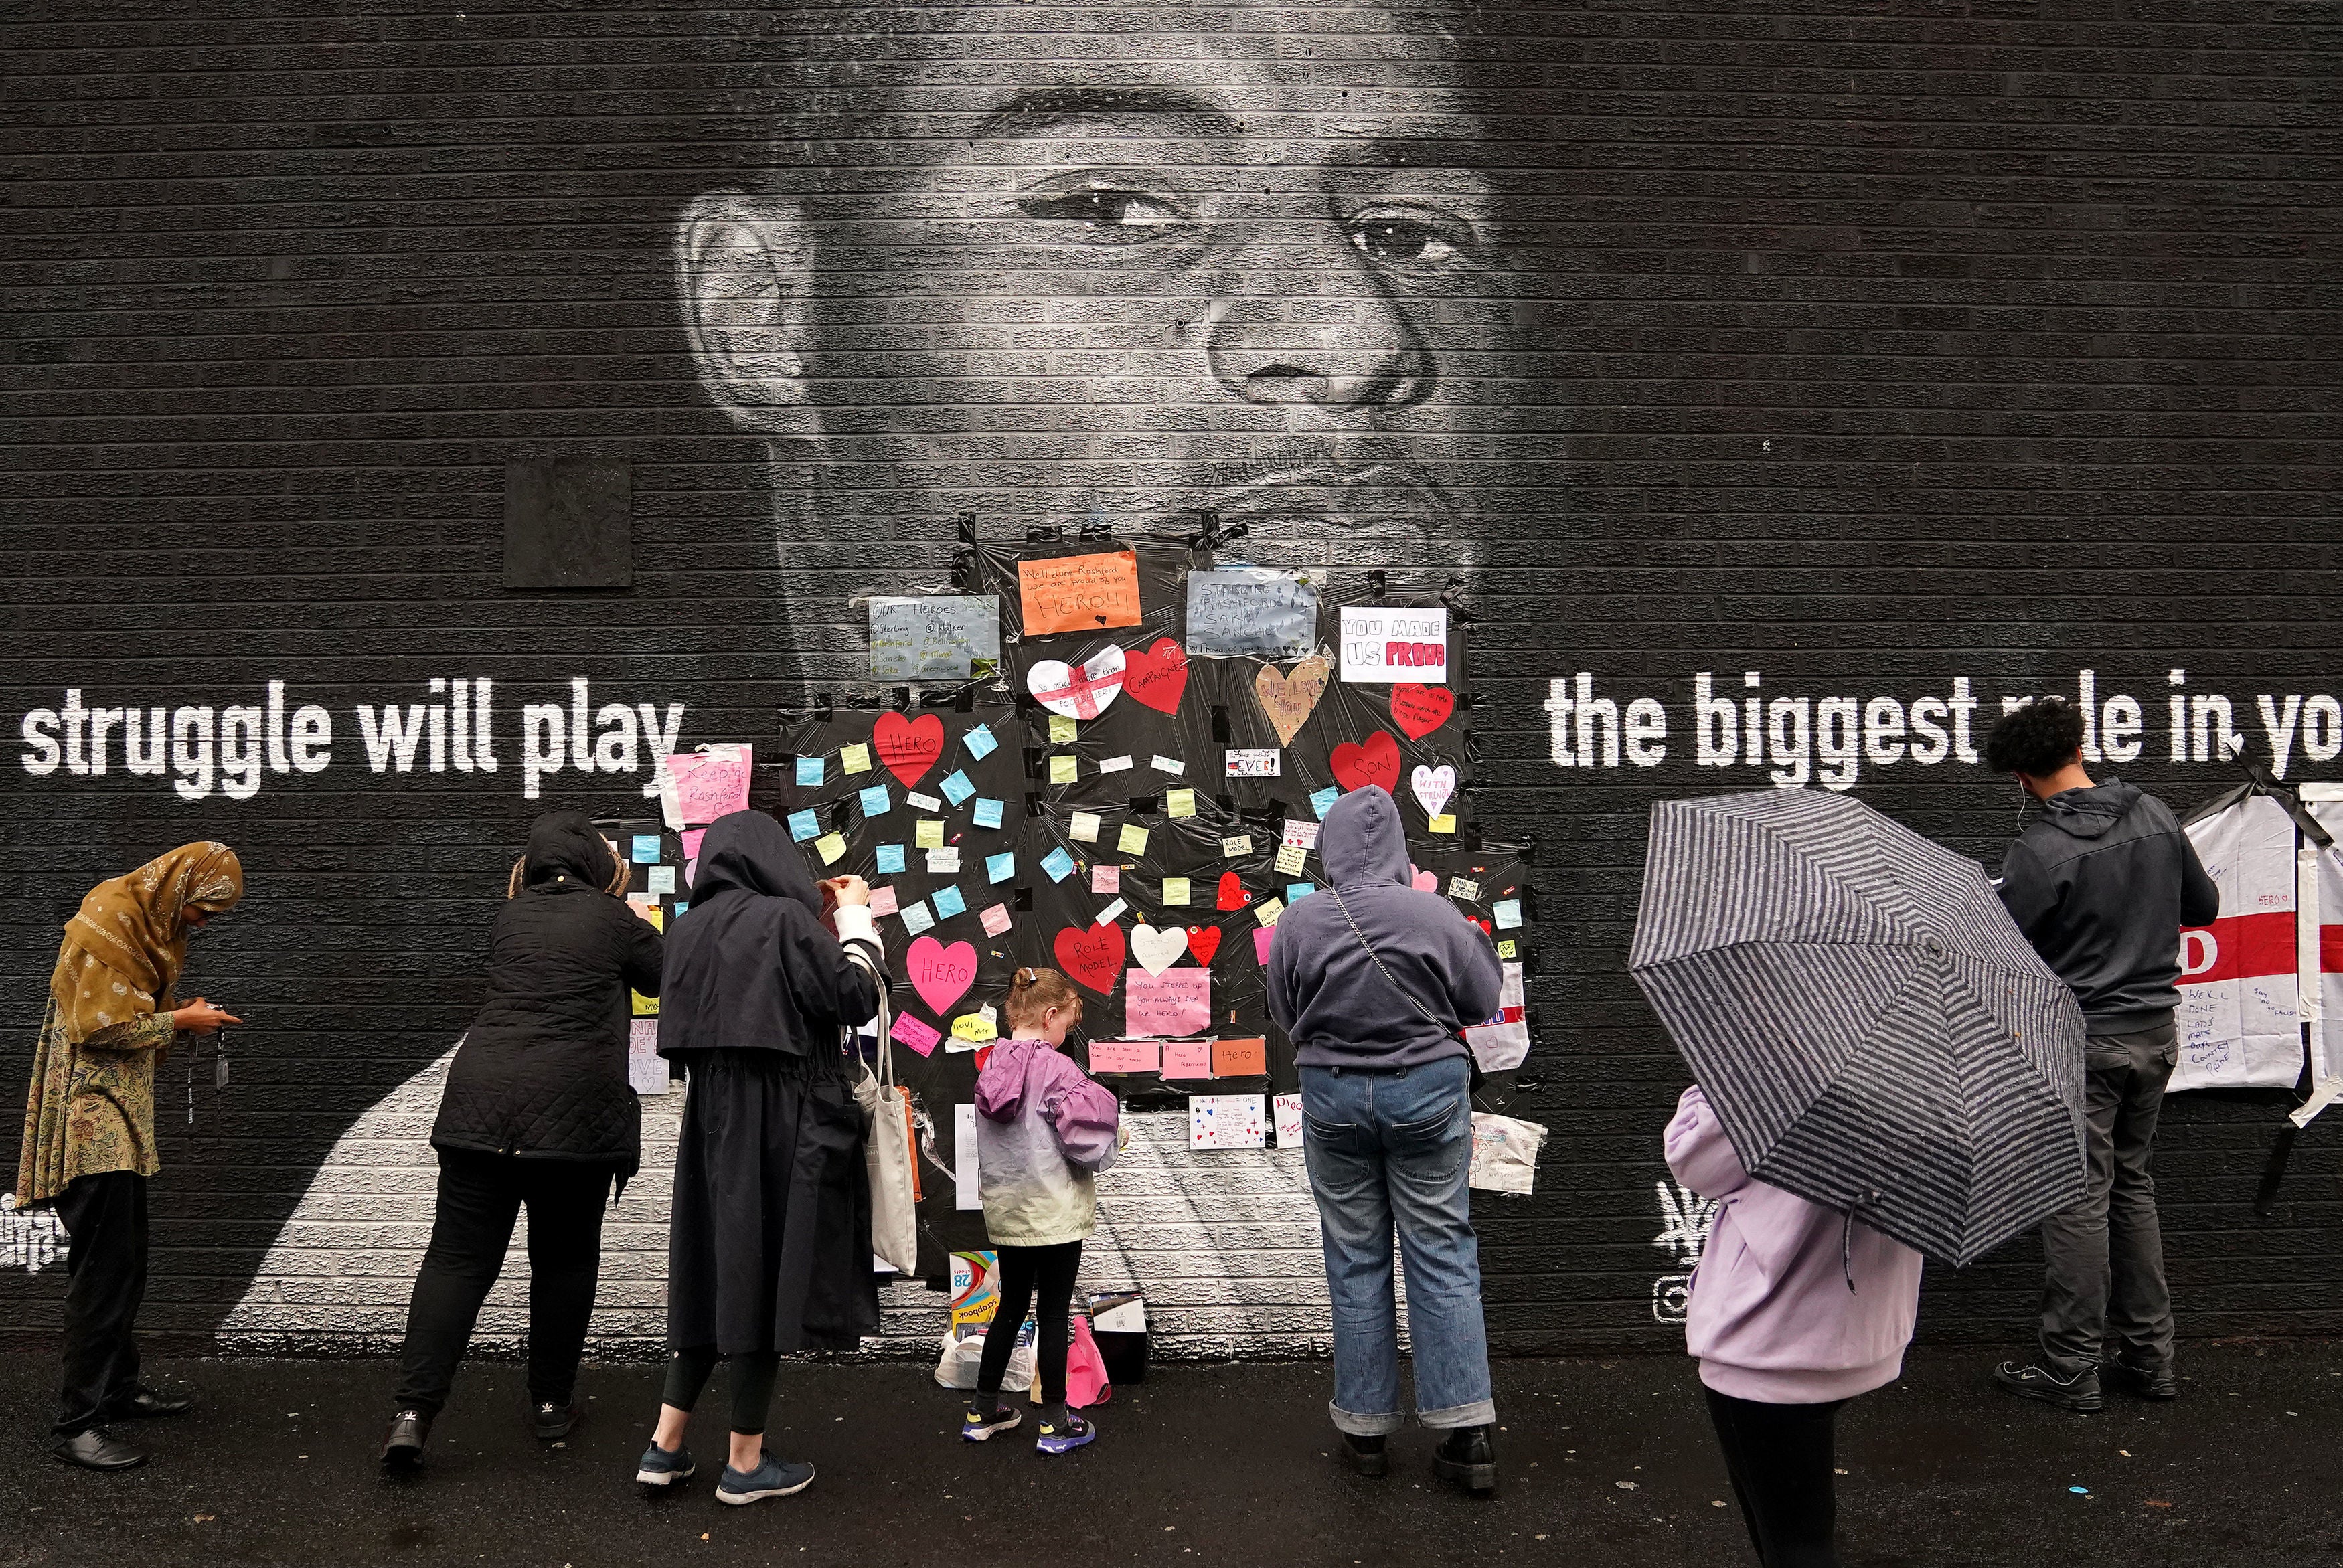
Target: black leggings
{"x":1049,"y":1270}
{"x":688,"y":1372}
{"x":1779,"y":1456}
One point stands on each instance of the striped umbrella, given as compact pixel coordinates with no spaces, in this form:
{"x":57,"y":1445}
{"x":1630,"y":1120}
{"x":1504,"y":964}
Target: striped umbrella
{"x":1870,"y":1026}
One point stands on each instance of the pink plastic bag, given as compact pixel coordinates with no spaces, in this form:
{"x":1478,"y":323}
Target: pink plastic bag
{"x":1086,"y":1382}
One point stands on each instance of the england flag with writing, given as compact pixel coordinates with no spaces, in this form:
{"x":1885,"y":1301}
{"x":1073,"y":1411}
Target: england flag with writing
{"x":2239,"y":1027}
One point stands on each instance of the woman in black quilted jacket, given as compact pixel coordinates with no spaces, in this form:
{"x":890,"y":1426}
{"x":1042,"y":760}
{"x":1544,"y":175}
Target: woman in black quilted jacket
{"x":538,"y":1111}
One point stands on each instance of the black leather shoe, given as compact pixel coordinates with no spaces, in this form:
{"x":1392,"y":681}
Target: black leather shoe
{"x":553,"y":1420}
{"x":2148,"y":1382}
{"x":402,"y":1445}
{"x":97,"y":1449}
{"x":1367,"y":1453}
{"x":1468,"y":1456}
{"x":144,"y":1401}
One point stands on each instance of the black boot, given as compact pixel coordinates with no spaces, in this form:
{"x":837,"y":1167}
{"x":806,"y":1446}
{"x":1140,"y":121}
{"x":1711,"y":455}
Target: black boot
{"x":1367,"y":1453}
{"x":402,"y":1445}
{"x":97,"y":1449}
{"x":1468,"y":1456}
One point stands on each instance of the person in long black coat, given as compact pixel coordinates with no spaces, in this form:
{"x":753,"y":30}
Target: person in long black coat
{"x":771,"y":1245}
{"x":538,"y":1111}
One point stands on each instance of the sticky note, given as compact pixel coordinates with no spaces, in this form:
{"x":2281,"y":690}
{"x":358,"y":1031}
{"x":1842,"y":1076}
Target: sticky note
{"x":915,"y":1032}
{"x":986,"y":812}
{"x":1059,"y":864}
{"x":1106,"y":878}
{"x":1163,"y":764}
{"x":929,"y":834}
{"x":1113,"y":912}
{"x":680,"y":906}
{"x":1260,"y":940}
{"x":1463,"y":888}
{"x":1322,"y":801}
{"x":1063,"y":767}
{"x":1001,"y":866}
{"x":646,"y":849}
{"x":945,"y":860}
{"x":1267,"y":912}
{"x":876,"y":802}
{"x":1131,"y":840}
{"x":1240,"y":1058}
{"x":1507,"y":912}
{"x":1297,"y":892}
{"x":882,"y":901}
{"x":923,"y":802}
{"x":1176,"y":891}
{"x":1062,"y":729}
{"x":1085,"y":826}
{"x":1180,"y":802}
{"x":1186,"y":1058}
{"x":890,"y":859}
{"x":831,"y":846}
{"x":1236,"y":846}
{"x":956,"y":787}
{"x":804,"y":825}
{"x":995,"y":919}
{"x":980,"y":742}
{"x":1115,"y":765}
{"x":811,"y":771}
{"x":1126,"y":1055}
{"x":915,"y":918}
{"x":854,"y":759}
{"x":1291,"y":860}
{"x":1509,"y":948}
{"x":975,"y":1028}
{"x":1304,"y":834}
{"x":1444,"y":823}
{"x":947,"y":903}
{"x":663,"y":880}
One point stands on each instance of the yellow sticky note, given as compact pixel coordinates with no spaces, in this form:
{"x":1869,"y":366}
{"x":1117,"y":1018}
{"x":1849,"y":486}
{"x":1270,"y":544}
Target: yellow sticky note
{"x":1506,"y":950}
{"x":1180,"y":802}
{"x":855,"y":759}
{"x":1442,"y":824}
{"x":1062,"y":729}
{"x":1175,"y":890}
{"x":645,"y":1006}
{"x":1085,"y":826}
{"x":1267,"y":913}
{"x":974,"y":1027}
{"x":1291,"y":861}
{"x":831,"y":844}
{"x":1061,"y":768}
{"x":1133,"y":840}
{"x":928,"y":835}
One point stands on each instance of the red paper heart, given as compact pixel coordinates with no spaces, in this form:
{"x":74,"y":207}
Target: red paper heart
{"x":1232,"y":893}
{"x":1092,"y":955}
{"x":1203,"y":941}
{"x":1157,"y":676}
{"x":1482,"y":923}
{"x":1376,"y":762}
{"x":909,"y":747}
{"x":1419,"y":710}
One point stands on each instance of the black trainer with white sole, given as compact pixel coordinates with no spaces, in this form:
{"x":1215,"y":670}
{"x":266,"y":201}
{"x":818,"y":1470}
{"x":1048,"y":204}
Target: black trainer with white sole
{"x":2078,"y":1393}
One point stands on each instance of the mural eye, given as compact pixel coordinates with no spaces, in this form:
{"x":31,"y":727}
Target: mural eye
{"x":1107,"y":213}
{"x":1403,"y":239}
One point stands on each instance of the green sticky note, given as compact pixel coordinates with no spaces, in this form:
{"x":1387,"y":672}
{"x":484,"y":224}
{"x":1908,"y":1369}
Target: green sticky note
{"x":1133,"y":840}
{"x":1180,"y":802}
{"x":832,"y":846}
{"x":1061,"y":768}
{"x":1062,"y":729}
{"x":928,"y":835}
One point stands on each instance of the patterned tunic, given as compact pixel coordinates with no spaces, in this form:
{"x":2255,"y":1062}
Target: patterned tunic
{"x":90,"y":1108}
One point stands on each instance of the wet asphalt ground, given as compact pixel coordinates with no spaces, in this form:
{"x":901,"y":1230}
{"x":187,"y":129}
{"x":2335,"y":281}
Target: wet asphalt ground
{"x":1607,"y":1463}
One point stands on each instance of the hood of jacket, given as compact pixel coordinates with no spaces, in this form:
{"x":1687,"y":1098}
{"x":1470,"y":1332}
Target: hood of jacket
{"x":748,"y":852}
{"x":1000,"y":1087}
{"x":1362,"y":843}
{"x":565,"y":844}
{"x":2089,"y":813}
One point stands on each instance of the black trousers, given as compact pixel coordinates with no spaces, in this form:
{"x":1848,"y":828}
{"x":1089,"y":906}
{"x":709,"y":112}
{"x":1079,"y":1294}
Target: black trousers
{"x":1044,"y":1276}
{"x":480,"y":1197}
{"x":1780,"y":1459}
{"x":105,"y":1217}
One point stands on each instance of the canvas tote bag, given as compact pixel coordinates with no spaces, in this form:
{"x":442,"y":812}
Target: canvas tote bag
{"x":889,"y":1155}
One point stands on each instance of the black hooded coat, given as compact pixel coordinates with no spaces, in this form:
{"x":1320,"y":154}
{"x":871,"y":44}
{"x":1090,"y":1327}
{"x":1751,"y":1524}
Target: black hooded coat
{"x":542,"y":1073}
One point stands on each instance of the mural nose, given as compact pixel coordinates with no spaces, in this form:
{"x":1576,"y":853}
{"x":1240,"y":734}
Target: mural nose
{"x":1311,"y":349}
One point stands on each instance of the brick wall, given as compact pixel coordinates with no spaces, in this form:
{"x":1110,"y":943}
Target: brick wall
{"x":1872,"y":349}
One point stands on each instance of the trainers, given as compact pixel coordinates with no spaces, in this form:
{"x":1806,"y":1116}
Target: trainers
{"x":2078,"y":1393}
{"x":554,"y":1421}
{"x":657,"y":1467}
{"x":2146,"y":1382}
{"x":402,"y":1445}
{"x":771,"y":1478}
{"x":1062,"y":1436}
{"x":1468,"y":1456}
{"x":976,"y":1424}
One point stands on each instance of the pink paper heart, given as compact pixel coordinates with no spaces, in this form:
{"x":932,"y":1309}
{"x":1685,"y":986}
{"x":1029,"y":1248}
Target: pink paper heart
{"x":941,"y":974}
{"x":1424,"y":881}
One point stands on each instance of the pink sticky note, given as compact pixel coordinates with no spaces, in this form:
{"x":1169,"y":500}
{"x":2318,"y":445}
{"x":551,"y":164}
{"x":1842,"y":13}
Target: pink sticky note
{"x":1106,"y":878}
{"x":882,"y":902}
{"x":1260,"y":940}
{"x":711,"y":784}
{"x":691,"y":838}
{"x":996,"y":919}
{"x":914,"y":1033}
{"x":1186,"y":1058}
{"x":1177,"y":1002}
{"x":1125,"y":1055}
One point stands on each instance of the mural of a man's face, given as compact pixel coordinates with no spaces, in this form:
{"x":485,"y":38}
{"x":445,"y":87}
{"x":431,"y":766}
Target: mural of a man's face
{"x":1115,"y":279}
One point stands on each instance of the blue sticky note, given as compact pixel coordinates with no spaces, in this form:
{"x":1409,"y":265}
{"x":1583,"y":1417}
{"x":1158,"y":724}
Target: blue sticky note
{"x":1508,"y":914}
{"x":647,"y":850}
{"x":986,"y":813}
{"x":810,"y":770}
{"x":803,"y":826}
{"x":915,"y":918}
{"x":680,"y":906}
{"x":1059,"y":864}
{"x":956,"y":787}
{"x":1297,"y":892}
{"x":1323,"y":801}
{"x":947,"y":902}
{"x":980,"y":742}
{"x":875,"y":802}
{"x":890,"y":859}
{"x":999,"y":867}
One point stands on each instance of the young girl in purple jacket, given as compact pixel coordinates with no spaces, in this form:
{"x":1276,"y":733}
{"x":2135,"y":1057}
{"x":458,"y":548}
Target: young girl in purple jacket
{"x":1793,"y":1311}
{"x":1042,"y":1131}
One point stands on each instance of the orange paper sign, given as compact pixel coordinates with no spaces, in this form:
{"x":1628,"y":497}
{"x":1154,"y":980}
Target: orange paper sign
{"x":1078,"y":593}
{"x":1240,"y":1058}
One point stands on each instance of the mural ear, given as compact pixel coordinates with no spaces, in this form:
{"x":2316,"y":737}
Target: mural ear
{"x":743,"y":265}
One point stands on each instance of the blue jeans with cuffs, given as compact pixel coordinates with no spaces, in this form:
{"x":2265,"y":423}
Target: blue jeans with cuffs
{"x":1393,"y":1151}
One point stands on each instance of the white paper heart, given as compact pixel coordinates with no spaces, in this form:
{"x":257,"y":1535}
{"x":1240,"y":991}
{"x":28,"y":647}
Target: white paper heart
{"x":1433,"y":786}
{"x":1158,"y":950}
{"x":1084,"y":693}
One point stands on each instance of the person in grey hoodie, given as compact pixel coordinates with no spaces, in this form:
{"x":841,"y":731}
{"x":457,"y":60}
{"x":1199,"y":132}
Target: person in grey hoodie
{"x":1374,"y":981}
{"x":2101,"y":885}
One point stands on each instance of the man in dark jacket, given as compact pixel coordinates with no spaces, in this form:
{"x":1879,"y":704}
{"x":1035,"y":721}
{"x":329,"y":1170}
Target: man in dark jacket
{"x":1374,"y":981}
{"x":2101,"y":885}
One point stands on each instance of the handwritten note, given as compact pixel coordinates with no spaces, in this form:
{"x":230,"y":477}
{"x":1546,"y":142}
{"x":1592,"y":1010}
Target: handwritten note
{"x":1063,"y":767}
{"x":1125,"y":1055}
{"x":1187,"y":1059}
{"x":1131,"y":840}
{"x":1252,"y":761}
{"x":1106,"y":878}
{"x":645,"y":1068}
{"x":1385,"y":643}
{"x":854,"y":758}
{"x":995,"y":918}
{"x":711,"y":783}
{"x":912,"y":1031}
{"x":1177,"y":891}
{"x":934,"y":636}
{"x":1063,"y":730}
{"x":1084,"y":826}
{"x":1178,"y":803}
{"x":956,"y":786}
{"x":1058,"y":864}
{"x":804,"y":825}
{"x":928,"y":834}
{"x":1286,"y":1109}
{"x":985,"y":813}
{"x":875,"y":801}
{"x":1236,"y":611}
{"x":980,"y":742}
{"x":1177,"y":1002}
{"x":810,"y":772}
{"x":947,"y":902}
{"x":1225,"y":1121}
{"x":1078,"y":593}
{"x":1240,"y":1058}
{"x":890,"y":859}
{"x":1001,"y":866}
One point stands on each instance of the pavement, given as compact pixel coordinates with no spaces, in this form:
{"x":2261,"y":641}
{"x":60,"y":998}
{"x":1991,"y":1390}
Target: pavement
{"x":1607,"y":1463}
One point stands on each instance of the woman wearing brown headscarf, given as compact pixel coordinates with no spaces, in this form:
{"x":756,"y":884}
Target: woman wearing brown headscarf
{"x":89,"y":1121}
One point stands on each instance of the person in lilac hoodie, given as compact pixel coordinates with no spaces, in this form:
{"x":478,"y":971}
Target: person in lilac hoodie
{"x":1042,"y":1131}
{"x":1795,"y":1311}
